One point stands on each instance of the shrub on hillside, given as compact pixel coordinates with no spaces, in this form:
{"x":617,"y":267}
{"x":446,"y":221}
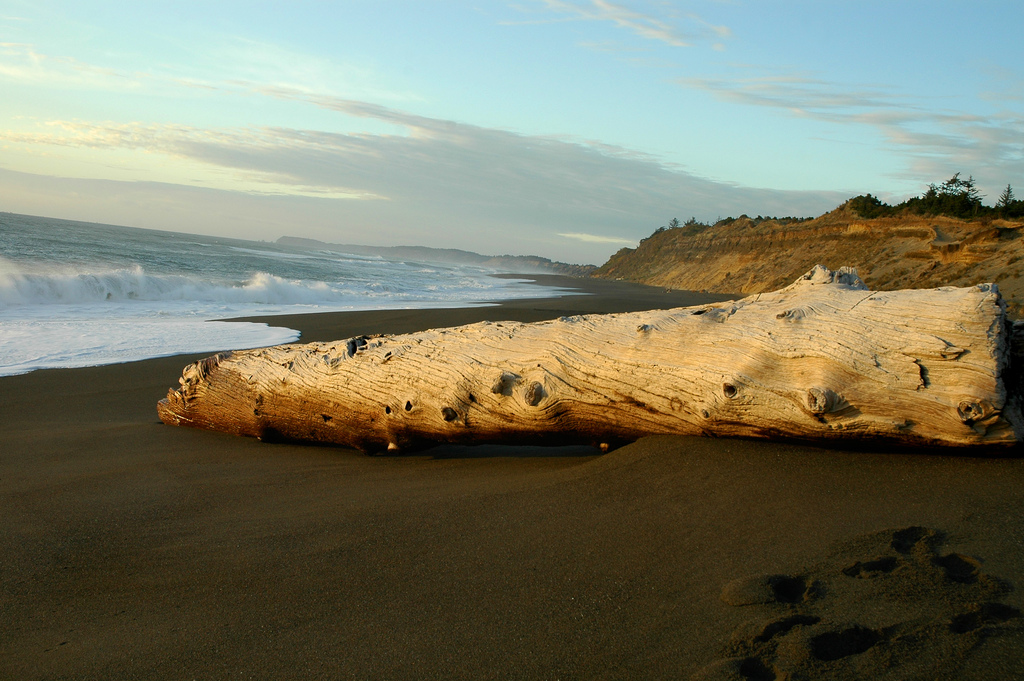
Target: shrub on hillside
{"x":868,"y":207}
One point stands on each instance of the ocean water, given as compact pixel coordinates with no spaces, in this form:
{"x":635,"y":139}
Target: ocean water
{"x":76,"y":294}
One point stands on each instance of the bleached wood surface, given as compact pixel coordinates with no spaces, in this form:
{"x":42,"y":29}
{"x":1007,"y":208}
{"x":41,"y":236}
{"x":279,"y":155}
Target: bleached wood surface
{"x":822,"y":359}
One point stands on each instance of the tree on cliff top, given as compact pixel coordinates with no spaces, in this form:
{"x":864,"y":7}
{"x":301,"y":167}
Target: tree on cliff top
{"x":1006,"y":198}
{"x":868,"y":207}
{"x":955,"y":197}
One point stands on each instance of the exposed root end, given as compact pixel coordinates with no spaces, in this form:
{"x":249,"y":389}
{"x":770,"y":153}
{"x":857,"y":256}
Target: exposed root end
{"x":172,"y":409}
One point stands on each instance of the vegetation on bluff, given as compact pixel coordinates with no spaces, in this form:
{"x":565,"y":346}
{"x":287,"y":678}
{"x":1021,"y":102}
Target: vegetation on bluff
{"x":955,"y":197}
{"x":946,"y":236}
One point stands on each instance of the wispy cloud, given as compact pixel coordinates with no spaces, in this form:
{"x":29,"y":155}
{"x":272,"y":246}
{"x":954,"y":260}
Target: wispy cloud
{"x":597,"y":238}
{"x":642,"y":25}
{"x":239,"y":64}
{"x":23,"y":63}
{"x":664,"y":28}
{"x":470,"y":186}
{"x":797,"y":92}
{"x":936,"y":140}
{"x":250,"y":61}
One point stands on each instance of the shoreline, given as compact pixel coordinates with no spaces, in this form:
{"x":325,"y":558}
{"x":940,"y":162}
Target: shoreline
{"x":600,"y":296}
{"x":132,"y":549}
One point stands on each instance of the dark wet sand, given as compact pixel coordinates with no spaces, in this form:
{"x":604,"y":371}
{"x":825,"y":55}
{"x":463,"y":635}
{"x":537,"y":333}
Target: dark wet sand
{"x":134,"y":550}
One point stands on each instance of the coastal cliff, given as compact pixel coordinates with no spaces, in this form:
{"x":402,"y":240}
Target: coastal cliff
{"x":746,"y":256}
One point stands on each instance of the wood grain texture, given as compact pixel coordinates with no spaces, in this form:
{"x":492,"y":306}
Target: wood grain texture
{"x":822,"y":359}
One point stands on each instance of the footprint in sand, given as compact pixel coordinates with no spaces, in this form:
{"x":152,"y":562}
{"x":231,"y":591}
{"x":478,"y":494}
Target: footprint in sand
{"x":769,"y":589}
{"x":890,"y":605}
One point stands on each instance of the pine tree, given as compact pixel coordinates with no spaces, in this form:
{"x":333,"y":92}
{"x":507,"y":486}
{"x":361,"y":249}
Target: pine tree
{"x":971,"y":193}
{"x":1006,"y":198}
{"x":953,"y":186}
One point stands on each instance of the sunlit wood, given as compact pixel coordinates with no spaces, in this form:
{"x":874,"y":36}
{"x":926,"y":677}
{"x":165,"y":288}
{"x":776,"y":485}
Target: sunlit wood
{"x":822,"y":359}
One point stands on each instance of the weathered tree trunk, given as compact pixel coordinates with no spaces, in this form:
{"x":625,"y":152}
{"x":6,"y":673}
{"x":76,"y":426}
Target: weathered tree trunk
{"x":822,"y":359}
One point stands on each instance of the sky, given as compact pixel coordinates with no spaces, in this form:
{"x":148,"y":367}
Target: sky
{"x":562,"y":128}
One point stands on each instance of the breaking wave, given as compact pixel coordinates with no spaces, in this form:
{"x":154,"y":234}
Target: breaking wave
{"x":135,"y":284}
{"x":82,"y":294}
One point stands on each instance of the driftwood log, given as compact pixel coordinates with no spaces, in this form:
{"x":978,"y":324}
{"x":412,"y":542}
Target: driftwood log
{"x":822,"y":359}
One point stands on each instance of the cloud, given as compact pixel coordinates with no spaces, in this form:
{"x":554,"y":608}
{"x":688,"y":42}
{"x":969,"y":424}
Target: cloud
{"x":644,"y":25}
{"x":597,"y":238}
{"x":719,"y":31}
{"x":442,"y":182}
{"x":237,"y":64}
{"x":248,"y":61}
{"x":936,"y":141}
{"x":795,"y":92}
{"x":21,"y":62}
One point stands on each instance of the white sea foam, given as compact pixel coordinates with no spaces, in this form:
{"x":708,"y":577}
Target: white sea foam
{"x":76,"y":320}
{"x":29,"y":344}
{"x":76,"y":294}
{"x":18,"y":287}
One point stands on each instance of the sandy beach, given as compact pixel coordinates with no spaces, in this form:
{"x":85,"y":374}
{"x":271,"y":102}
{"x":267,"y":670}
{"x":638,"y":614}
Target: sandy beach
{"x":134,"y":550}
